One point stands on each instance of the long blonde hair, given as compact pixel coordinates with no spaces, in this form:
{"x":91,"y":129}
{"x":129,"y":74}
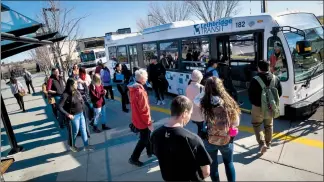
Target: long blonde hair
{"x":214,"y":87}
{"x":96,"y":79}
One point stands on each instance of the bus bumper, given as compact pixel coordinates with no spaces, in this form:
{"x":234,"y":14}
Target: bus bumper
{"x":305,"y":107}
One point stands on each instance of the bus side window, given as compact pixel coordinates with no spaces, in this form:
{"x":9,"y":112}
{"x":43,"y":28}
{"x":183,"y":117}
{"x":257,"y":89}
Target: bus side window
{"x":169,"y":54}
{"x":149,"y":50}
{"x":276,"y":56}
{"x":122,"y":54}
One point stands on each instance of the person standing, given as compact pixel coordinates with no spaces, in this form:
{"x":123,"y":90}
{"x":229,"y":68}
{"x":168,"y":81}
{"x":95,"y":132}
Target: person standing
{"x":28,"y":79}
{"x":106,"y":81}
{"x":99,"y":67}
{"x":71,"y":105}
{"x":156,"y":77}
{"x":141,"y":116}
{"x":55,"y":89}
{"x":119,"y":79}
{"x":181,"y":153}
{"x":222,"y":116}
{"x":266,"y":78}
{"x":210,"y":71}
{"x":97,"y":94}
{"x":18,"y":91}
{"x":194,"y":89}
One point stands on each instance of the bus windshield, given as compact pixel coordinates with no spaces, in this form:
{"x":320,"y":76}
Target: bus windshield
{"x":87,"y":56}
{"x":310,"y":66}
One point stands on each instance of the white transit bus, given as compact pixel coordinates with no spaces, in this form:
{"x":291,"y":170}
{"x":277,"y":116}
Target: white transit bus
{"x":90,"y":58}
{"x":243,"y":41}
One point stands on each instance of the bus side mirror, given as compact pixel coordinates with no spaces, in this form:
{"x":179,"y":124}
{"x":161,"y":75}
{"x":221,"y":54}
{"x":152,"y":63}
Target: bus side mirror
{"x":303,"y":47}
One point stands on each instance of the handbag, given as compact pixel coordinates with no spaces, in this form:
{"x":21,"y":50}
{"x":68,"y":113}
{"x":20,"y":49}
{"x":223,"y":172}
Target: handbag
{"x":21,"y":93}
{"x":51,"y":100}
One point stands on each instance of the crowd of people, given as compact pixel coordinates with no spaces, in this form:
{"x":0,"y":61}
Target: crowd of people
{"x":183,"y":155}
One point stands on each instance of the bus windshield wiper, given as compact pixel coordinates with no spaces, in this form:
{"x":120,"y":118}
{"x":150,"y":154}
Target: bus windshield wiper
{"x":307,"y":83}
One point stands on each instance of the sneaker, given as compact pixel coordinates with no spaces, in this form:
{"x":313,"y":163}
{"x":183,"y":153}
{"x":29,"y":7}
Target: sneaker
{"x":240,"y":103}
{"x":96,"y":130}
{"x":89,"y":148}
{"x":74,"y":149}
{"x":163,"y":103}
{"x":91,"y":123}
{"x":126,"y":110}
{"x":269,"y":146}
{"x":136,"y":163}
{"x":158,"y":103}
{"x":263,"y":149}
{"x":104,"y":127}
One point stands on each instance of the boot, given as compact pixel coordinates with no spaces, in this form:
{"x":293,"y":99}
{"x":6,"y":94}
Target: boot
{"x":104,"y":127}
{"x":96,"y":130}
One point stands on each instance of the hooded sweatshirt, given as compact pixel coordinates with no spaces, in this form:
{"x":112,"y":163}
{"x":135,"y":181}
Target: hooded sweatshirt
{"x":141,"y":115}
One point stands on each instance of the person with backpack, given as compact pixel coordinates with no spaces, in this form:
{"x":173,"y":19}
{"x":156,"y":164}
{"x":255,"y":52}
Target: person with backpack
{"x":97,"y":94}
{"x":182,"y":155}
{"x":28,"y":78}
{"x":106,"y":81}
{"x":71,"y":105}
{"x":194,"y":89}
{"x":222,"y":116}
{"x":210,"y":71}
{"x":264,"y":93}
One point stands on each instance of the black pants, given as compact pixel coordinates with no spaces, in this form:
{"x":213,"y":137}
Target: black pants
{"x":109,"y":91}
{"x":124,"y":97}
{"x":20,"y":101}
{"x":200,"y":126}
{"x":144,"y":142}
{"x":159,"y":91}
{"x":30,"y":83}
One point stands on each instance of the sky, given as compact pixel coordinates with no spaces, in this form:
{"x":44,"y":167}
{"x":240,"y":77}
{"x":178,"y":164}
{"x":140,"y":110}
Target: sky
{"x":108,"y":16}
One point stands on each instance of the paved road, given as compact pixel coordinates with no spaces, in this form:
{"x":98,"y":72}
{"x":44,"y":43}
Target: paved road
{"x":297,"y":154}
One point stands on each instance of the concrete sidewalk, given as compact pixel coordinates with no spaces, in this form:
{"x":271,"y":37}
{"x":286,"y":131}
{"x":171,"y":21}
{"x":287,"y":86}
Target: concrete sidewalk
{"x":47,"y":158}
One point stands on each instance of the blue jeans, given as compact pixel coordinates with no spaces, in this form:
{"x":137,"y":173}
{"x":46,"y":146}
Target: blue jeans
{"x":227,"y":154}
{"x":60,"y":116}
{"x":78,"y":123}
{"x":100,"y":115}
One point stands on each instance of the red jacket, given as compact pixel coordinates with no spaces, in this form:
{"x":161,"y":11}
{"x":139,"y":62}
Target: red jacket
{"x":98,"y":69}
{"x":141,"y":115}
{"x":97,"y":94}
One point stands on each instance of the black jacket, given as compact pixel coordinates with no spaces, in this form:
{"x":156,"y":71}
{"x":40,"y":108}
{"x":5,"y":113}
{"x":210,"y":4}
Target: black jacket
{"x":155,"y":71}
{"x":255,"y":89}
{"x":71,"y":104}
{"x":56,"y":85}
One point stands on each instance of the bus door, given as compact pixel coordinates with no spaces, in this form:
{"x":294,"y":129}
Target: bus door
{"x":133,"y":59}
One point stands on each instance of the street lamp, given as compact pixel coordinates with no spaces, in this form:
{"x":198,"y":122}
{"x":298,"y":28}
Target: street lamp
{"x":148,"y":19}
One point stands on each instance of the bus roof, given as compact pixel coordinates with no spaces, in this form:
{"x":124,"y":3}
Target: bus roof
{"x":185,"y":29}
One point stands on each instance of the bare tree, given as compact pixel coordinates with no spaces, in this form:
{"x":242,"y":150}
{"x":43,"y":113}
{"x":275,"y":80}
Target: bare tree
{"x":164,"y":13}
{"x":211,"y":10}
{"x":60,"y":19}
{"x":42,"y":56}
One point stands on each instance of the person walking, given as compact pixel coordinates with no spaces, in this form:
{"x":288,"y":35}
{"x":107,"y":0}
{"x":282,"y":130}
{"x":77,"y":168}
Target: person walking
{"x":141,"y":116}
{"x":18,"y":91}
{"x":181,"y":153}
{"x":106,"y":81}
{"x":28,"y":79}
{"x":222,"y":116}
{"x":263,"y":79}
{"x":194,"y":89}
{"x":97,"y":94}
{"x":71,"y":105}
{"x":156,"y":77}
{"x":83,"y":87}
{"x":119,"y":79}
{"x":55,"y":89}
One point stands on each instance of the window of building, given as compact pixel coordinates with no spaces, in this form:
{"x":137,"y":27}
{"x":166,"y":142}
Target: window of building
{"x":169,"y":54}
{"x":149,"y":50}
{"x":242,"y":47}
{"x":122,"y":54}
{"x":112,"y":52}
{"x":195,"y":53}
{"x":276,"y":56}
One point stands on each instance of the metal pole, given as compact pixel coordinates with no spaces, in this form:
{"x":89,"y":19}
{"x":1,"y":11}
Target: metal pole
{"x":263,"y":6}
{"x":15,"y":148}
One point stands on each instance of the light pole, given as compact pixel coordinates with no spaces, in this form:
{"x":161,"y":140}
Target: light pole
{"x":264,"y":8}
{"x":148,"y":19}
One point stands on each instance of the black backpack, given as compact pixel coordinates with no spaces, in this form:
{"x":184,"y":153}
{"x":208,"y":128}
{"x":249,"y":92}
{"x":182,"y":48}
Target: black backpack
{"x":206,"y":76}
